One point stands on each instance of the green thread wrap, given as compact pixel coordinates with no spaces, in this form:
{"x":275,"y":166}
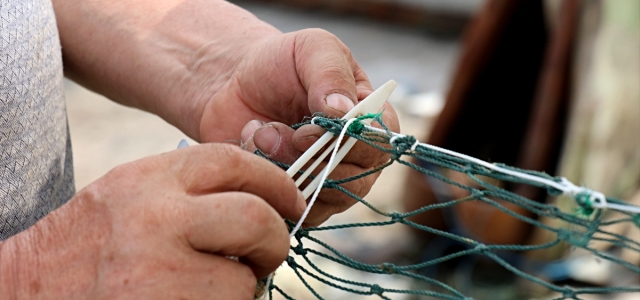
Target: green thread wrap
{"x":356,"y":127}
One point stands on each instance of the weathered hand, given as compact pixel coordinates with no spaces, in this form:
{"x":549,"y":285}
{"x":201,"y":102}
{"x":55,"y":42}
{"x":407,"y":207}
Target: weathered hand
{"x":210,"y":67}
{"x":159,"y":228}
{"x":282,"y":79}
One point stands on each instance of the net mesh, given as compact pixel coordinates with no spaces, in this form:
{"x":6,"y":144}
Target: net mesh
{"x":581,"y":227}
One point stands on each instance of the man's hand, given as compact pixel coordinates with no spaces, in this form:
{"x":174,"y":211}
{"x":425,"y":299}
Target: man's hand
{"x":218,"y":73}
{"x":283,"y":79}
{"x":160,"y":228}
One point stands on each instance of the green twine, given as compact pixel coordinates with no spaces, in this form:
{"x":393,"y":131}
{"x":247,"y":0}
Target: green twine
{"x":578,"y":234}
{"x":585,"y":203}
{"x":356,"y":127}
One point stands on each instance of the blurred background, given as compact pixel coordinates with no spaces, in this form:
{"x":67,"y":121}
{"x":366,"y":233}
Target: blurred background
{"x":545,"y":85}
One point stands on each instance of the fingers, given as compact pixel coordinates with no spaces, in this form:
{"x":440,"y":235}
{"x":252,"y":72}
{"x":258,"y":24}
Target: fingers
{"x":232,"y":169}
{"x":284,"y":79}
{"x":290,"y":145}
{"x":281,"y":143}
{"x":330,"y":201}
{"x":333,"y":80}
{"x":238,"y":224}
{"x":202,"y":276}
{"x":361,"y":154}
{"x":272,"y":139}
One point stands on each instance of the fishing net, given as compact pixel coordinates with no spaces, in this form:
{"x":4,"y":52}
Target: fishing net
{"x":585,"y":227}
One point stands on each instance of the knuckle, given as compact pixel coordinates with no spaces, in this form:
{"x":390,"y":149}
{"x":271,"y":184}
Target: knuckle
{"x":231,"y":154}
{"x":120,"y":170}
{"x":326,"y":38}
{"x":338,"y":201}
{"x":320,"y":33}
{"x":259,"y":212}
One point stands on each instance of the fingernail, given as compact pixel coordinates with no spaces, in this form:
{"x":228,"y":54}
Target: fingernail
{"x":249,"y":129}
{"x":267,"y":139}
{"x":339,"y":102}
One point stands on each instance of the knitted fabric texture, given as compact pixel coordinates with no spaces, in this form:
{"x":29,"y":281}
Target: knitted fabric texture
{"x":36,"y":173}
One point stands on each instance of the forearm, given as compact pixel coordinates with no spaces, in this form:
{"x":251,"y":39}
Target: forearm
{"x":143,"y":53}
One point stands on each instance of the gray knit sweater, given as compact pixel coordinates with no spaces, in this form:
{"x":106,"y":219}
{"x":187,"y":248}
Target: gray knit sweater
{"x":36,"y":172}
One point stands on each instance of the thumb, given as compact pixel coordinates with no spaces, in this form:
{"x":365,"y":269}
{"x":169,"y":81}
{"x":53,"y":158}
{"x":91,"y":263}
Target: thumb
{"x":326,"y":70}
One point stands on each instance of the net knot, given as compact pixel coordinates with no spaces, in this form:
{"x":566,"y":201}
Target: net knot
{"x":376,"y":289}
{"x":584,"y":201}
{"x":573,"y":237}
{"x":329,"y":184}
{"x":477,"y":194}
{"x":403,"y":144}
{"x":568,"y":293}
{"x":636,"y":220}
{"x":469,"y":169}
{"x":301,"y":233}
{"x":299,"y":250}
{"x":291,"y":262}
{"x":388,"y":268}
{"x":481,"y":248}
{"x":356,"y":126}
{"x":587,"y":199}
{"x":396,"y":217}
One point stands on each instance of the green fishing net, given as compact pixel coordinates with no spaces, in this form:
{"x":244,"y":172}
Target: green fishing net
{"x":578,"y":228}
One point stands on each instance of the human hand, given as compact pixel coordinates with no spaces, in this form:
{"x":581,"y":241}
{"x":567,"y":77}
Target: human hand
{"x":159,"y":228}
{"x":282,"y":79}
{"x":210,"y":68}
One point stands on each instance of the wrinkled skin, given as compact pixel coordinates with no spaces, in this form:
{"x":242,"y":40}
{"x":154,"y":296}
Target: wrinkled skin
{"x":299,"y":75}
{"x":162,"y":227}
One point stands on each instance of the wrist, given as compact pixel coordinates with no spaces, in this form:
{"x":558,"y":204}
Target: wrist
{"x":55,"y":258}
{"x":6,"y":287}
{"x":15,"y":263}
{"x":163,"y":60}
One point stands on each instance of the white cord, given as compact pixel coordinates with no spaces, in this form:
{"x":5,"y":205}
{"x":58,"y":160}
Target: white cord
{"x":597,"y":199}
{"x":266,"y":287}
{"x":324,"y":176}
